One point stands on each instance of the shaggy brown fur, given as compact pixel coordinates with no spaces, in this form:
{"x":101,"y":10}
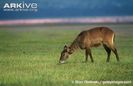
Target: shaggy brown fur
{"x":92,"y":38}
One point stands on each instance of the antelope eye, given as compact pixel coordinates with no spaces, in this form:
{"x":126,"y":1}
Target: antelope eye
{"x":63,"y":54}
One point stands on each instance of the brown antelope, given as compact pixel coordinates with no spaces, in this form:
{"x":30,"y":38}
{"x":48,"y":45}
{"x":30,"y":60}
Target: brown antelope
{"x":92,"y":38}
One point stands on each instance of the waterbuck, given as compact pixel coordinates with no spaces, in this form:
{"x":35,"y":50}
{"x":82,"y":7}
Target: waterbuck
{"x":92,"y":38}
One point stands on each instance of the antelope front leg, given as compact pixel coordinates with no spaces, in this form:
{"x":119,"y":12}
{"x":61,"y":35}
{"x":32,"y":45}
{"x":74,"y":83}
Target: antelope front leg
{"x":86,"y":55}
{"x":88,"y":52}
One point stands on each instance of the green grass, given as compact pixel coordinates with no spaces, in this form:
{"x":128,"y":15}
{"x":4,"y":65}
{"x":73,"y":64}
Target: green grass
{"x":29,"y":56}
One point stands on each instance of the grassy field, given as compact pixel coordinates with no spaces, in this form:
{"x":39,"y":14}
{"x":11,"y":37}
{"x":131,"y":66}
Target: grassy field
{"x":29,"y":56}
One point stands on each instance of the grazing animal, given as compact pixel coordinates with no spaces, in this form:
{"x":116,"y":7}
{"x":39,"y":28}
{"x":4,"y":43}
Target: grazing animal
{"x":92,"y":38}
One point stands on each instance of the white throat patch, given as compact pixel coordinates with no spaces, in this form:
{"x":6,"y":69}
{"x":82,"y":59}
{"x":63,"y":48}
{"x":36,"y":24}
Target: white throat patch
{"x":62,"y":62}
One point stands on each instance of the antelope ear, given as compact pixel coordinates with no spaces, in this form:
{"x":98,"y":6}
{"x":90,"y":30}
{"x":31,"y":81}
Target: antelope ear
{"x":65,"y":47}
